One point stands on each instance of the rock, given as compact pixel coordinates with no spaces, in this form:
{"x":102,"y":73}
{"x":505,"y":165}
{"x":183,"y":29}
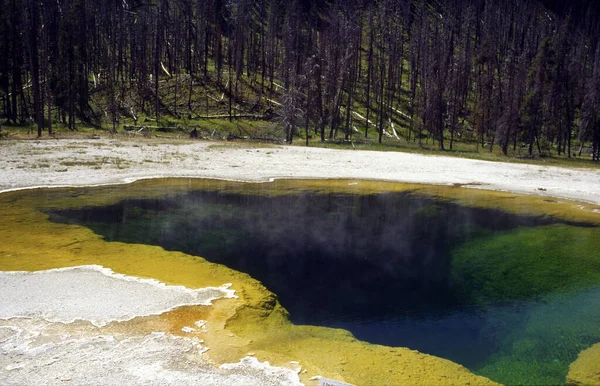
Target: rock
{"x":586,"y":369}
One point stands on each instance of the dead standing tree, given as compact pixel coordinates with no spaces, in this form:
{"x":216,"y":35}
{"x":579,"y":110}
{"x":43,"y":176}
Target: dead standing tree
{"x":289,"y":114}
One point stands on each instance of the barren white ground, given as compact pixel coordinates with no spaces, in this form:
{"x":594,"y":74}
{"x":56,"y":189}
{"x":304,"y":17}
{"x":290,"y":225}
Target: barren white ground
{"x":50,"y":333}
{"x":36,"y":163}
{"x":43,"y":342}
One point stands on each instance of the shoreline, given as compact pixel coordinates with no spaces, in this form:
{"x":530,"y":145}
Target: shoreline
{"x":98,"y":162}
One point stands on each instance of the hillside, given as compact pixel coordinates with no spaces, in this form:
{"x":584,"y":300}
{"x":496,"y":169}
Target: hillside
{"x":517,"y":79}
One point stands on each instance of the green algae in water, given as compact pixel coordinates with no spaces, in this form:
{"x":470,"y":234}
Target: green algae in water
{"x":552,"y":275}
{"x":551,"y":334}
{"x":395,"y":269}
{"x":525,"y":263}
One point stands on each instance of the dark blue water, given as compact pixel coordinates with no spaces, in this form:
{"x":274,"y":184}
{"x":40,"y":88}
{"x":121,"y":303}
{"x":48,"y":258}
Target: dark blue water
{"x":377,"y":265}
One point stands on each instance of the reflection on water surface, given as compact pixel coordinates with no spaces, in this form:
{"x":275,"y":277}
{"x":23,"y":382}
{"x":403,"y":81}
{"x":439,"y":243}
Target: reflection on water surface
{"x":391,"y":268}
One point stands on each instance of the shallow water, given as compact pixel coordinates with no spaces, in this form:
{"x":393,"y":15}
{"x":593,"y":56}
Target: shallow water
{"x":393,"y":268}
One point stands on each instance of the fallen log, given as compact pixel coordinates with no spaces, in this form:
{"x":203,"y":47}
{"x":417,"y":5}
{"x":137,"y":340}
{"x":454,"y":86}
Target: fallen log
{"x":347,"y":141}
{"x":226,"y":116}
{"x":157,"y":128}
{"x":231,"y":137}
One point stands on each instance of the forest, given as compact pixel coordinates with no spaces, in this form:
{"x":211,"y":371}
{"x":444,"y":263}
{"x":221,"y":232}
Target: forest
{"x":518,"y":76}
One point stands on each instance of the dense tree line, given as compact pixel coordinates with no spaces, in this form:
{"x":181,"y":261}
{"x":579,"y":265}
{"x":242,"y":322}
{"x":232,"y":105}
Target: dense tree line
{"x":501,"y":73}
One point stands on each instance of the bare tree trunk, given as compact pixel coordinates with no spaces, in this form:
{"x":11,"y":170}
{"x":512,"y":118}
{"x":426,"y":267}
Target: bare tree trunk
{"x":369,"y":69}
{"x":34,"y":14}
{"x":381,"y":98}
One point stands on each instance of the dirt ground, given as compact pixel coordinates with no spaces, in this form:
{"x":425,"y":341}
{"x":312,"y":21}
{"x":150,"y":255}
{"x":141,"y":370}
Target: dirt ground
{"x":69,"y":162}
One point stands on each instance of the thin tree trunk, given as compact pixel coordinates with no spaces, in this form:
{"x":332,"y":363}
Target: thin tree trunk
{"x":35,"y":65}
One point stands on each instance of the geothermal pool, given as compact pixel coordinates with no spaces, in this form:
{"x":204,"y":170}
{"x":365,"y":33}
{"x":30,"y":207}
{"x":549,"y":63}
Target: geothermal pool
{"x":509,"y":295}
